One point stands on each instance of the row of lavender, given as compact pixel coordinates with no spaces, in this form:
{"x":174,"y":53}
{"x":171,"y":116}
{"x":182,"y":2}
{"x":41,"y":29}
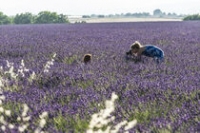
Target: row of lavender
{"x":160,"y":97}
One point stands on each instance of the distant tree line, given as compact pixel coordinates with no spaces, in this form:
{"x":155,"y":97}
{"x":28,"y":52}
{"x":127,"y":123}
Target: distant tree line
{"x":159,"y":13}
{"x":192,"y":17}
{"x":43,"y":17}
{"x":4,"y":19}
{"x":46,"y":17}
{"x":156,"y":13}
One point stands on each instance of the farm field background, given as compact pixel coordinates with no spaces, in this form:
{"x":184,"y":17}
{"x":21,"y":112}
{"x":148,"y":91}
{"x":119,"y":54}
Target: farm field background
{"x":161,"y":98}
{"x":74,"y":19}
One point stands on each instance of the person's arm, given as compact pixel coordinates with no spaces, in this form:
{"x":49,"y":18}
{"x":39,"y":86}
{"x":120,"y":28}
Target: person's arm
{"x":139,"y":53}
{"x":128,"y":53}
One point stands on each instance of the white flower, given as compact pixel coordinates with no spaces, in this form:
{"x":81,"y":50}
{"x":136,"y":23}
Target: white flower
{"x":11,"y":126}
{"x":8,"y":64}
{"x":43,"y":115}
{"x":3,"y":128}
{"x":130,"y":125}
{"x":100,"y":119}
{"x":90,"y":131}
{"x":104,"y":118}
{"x":22,"y":68}
{"x":42,"y":123}
{"x":46,"y":70}
{"x":114,"y":97}
{"x":22,"y":63}
{"x":49,"y":64}
{"x":2,"y":120}
{"x":26,"y":118}
{"x":93,"y":121}
{"x":54,"y":55}
{"x":1,"y":109}
{"x":18,"y":118}
{"x":26,"y":70}
{"x":33,"y":76}
{"x":22,"y":128}
{"x":11,"y":72}
{"x":37,"y":130}
{"x":118,"y":126}
{"x":24,"y":113}
{"x":2,"y":97}
{"x":21,"y":72}
{"x":8,"y":112}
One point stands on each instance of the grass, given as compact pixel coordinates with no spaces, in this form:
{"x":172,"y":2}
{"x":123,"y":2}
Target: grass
{"x":64,"y":123}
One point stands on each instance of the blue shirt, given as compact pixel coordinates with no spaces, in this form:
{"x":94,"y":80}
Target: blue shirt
{"x":153,"y":51}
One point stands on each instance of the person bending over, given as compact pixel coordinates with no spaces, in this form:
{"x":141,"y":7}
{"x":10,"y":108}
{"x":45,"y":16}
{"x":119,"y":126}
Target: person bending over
{"x":147,"y":50}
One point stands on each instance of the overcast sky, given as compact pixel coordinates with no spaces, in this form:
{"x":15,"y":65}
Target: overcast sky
{"x":105,"y":7}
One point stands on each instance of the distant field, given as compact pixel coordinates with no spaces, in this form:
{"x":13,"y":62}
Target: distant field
{"x":105,"y":20}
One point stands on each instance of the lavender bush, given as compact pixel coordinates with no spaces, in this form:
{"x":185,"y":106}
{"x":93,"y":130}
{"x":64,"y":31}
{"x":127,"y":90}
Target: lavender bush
{"x":42,"y":70}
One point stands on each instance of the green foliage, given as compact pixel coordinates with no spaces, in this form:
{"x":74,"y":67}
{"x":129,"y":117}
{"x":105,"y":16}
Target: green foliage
{"x":46,"y":17}
{"x":24,"y":18}
{"x":85,"y":16}
{"x":4,"y":19}
{"x":70,"y":60}
{"x":62,"y":18}
{"x":157,"y":12}
{"x":16,"y":110}
{"x":83,"y":84}
{"x":65,"y":124}
{"x":142,"y":116}
{"x":101,"y":16}
{"x":144,"y":14}
{"x":60,"y":122}
{"x":192,"y":17}
{"x":79,"y":125}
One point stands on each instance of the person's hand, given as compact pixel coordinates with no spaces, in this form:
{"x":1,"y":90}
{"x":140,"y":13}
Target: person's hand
{"x":135,"y":54}
{"x":128,"y":53}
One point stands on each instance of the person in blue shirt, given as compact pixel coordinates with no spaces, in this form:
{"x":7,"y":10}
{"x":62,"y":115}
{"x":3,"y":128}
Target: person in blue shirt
{"x":138,"y":50}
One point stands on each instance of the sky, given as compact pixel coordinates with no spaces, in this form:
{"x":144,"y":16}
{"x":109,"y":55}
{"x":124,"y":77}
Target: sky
{"x":104,"y":7}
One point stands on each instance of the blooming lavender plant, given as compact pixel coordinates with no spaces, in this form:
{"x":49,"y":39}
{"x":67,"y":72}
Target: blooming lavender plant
{"x":23,"y":121}
{"x":161,"y":97}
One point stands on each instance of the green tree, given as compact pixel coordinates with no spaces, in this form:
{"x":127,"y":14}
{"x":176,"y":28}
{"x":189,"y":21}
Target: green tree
{"x":45,"y":17}
{"x":62,"y":19}
{"x":101,"y":16}
{"x":4,"y":19}
{"x":23,"y":18}
{"x":157,"y":13}
{"x":192,"y":17}
{"x":85,"y":16}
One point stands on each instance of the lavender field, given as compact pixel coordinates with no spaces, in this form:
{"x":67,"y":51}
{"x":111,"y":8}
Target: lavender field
{"x":46,"y":87}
